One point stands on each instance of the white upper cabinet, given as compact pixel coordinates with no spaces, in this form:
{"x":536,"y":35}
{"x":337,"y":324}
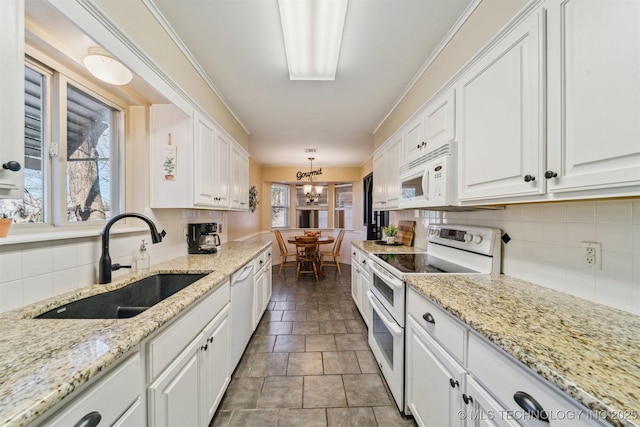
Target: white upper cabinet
{"x":386,"y":174}
{"x":191,"y":161}
{"x":12,"y":96}
{"x":499,"y":102}
{"x":432,"y":126}
{"x":593,"y":95}
{"x":239,"y":178}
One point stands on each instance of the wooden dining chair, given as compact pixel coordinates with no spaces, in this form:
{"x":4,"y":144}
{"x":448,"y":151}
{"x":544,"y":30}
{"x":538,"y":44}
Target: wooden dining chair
{"x":335,"y":253}
{"x":307,"y":256}
{"x":284,"y":252}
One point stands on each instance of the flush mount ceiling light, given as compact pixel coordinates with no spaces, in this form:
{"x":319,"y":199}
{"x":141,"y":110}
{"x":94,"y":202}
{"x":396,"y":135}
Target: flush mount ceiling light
{"x":312,"y":31}
{"x":104,"y":67}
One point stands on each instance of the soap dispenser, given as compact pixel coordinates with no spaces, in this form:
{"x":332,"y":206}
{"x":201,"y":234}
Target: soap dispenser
{"x":143,"y":261}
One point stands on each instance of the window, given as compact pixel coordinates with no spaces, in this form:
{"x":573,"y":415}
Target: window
{"x":343,"y":212}
{"x":311,"y":214}
{"x":83,"y":185}
{"x":279,"y":206}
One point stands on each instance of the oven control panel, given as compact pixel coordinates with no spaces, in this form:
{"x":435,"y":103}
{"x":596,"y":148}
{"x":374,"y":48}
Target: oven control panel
{"x":476,"y":239}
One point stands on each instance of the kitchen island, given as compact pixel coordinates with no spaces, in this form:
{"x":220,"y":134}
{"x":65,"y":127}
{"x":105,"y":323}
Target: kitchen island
{"x":44,"y":360}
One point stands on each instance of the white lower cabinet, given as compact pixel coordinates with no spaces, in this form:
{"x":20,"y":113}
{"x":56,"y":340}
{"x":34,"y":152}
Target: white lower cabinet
{"x":262,"y":285}
{"x":115,"y":399}
{"x":483,"y":386}
{"x":434,"y":379}
{"x":360,"y":276}
{"x":189,"y":390}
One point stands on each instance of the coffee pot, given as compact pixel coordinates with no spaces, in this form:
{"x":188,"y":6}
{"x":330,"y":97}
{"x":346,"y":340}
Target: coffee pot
{"x":202,"y":238}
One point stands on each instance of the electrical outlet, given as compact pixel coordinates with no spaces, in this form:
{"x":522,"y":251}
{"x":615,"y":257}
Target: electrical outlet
{"x":592,"y":255}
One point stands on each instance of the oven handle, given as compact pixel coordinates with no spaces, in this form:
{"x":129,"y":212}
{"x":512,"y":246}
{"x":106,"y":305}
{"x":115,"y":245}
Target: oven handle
{"x":389,"y":323}
{"x":387,"y":277}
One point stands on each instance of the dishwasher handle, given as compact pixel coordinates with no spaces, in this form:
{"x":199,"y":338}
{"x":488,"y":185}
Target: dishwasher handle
{"x":238,"y":277}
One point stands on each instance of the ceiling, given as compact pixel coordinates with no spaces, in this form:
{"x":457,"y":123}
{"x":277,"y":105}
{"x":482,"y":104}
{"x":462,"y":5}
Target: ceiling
{"x":239,"y":47}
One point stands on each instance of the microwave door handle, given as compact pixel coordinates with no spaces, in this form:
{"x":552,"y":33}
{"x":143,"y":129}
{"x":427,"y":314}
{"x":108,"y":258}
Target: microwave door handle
{"x":390,"y":324}
{"x":425,"y":183}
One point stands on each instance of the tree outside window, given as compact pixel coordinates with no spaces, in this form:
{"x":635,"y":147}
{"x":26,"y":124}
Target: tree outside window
{"x":279,"y":206}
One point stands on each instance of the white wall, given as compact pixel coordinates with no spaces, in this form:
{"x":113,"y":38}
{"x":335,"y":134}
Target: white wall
{"x":545,"y":245}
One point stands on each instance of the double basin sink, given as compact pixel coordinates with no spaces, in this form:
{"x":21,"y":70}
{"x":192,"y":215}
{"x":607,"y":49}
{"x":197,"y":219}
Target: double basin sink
{"x":125,"y":302}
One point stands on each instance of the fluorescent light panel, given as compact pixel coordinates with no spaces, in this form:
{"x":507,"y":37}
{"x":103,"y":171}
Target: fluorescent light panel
{"x":312,"y":31}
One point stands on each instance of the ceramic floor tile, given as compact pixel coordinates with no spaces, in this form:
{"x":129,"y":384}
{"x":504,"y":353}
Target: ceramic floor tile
{"x":285,"y":305}
{"x":365,"y":390}
{"x":324,"y":391}
{"x":309,"y":363}
{"x":242,"y":393}
{"x":367,"y":362}
{"x":351,"y":342}
{"x":261,"y":344}
{"x":332,"y":327}
{"x":302,"y":417}
{"x":268,"y":364}
{"x":321,"y":343}
{"x":318,"y":314}
{"x":356,"y":326}
{"x":274,"y":328}
{"x":388,"y":416}
{"x":350,"y":417}
{"x":281,"y":392}
{"x":272,"y":315}
{"x":307,"y":327}
{"x":294,"y":315}
{"x":289,"y":343}
{"x":340,"y":362}
{"x":255,"y":418}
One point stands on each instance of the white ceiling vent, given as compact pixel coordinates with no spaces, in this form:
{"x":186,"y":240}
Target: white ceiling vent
{"x":310,"y":150}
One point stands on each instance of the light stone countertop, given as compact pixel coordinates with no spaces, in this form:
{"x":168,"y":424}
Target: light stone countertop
{"x":588,"y":350}
{"x":42,"y":361}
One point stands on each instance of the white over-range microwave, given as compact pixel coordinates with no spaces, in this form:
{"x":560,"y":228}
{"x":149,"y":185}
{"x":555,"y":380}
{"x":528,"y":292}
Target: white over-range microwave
{"x":429,"y":180}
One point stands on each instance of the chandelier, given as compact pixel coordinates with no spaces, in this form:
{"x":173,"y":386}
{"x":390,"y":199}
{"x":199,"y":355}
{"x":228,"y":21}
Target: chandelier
{"x":311,"y":192}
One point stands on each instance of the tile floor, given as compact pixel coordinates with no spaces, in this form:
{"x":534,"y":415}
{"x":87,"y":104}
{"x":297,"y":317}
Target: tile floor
{"x":308,"y":362}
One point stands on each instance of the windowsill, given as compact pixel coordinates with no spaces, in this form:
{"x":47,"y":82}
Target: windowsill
{"x":59,"y":234}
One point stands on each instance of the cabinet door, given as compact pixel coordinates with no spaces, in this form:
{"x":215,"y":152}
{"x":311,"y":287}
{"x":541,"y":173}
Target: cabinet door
{"x":240,"y":181}
{"x":205,"y":162}
{"x":216,"y":372}
{"x":266,"y":297}
{"x":414,"y":142}
{"x":392,"y":165}
{"x":483,"y":410}
{"x":593,"y":94}
{"x":174,"y":396}
{"x":379,"y":181}
{"x":365,"y":309}
{"x":12,"y":96}
{"x":433,"y":392}
{"x":499,"y":101}
{"x":439,"y":120}
{"x":355,"y":283}
{"x":222,"y":169}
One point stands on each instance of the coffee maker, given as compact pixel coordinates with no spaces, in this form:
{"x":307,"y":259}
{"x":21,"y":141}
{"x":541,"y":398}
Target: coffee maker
{"x":202,"y":238}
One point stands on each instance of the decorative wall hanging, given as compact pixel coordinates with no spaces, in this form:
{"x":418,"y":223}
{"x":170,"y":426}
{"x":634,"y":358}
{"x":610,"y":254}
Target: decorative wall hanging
{"x":253,"y":198}
{"x":169,"y":161}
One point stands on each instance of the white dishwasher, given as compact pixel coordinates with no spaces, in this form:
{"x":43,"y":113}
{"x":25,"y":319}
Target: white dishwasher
{"x":241,"y":312}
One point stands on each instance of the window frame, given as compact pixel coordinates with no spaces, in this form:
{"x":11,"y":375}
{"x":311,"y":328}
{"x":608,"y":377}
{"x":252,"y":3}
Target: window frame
{"x":54,"y":162}
{"x":286,"y":207}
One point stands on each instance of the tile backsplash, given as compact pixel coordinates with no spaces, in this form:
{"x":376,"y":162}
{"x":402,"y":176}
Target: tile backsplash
{"x":545,"y":247}
{"x":30,"y":272}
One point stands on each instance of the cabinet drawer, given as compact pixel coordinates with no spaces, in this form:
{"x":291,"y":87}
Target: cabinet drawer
{"x":504,"y":377}
{"x":165,"y":347}
{"x":442,"y":326}
{"x":110,"y":397}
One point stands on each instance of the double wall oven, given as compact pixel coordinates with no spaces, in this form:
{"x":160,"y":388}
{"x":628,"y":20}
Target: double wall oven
{"x":451,"y":249}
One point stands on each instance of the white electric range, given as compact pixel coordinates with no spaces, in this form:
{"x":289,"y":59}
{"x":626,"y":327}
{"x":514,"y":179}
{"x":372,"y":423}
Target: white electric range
{"x":451,"y":249}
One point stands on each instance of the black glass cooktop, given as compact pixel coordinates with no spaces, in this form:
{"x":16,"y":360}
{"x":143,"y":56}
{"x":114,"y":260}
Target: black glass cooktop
{"x":421,"y":263}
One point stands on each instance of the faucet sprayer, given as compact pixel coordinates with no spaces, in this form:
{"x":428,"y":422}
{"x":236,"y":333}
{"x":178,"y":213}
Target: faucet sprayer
{"x":105,"y":267}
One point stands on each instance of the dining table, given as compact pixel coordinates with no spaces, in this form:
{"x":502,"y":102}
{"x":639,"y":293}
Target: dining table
{"x":322,"y":240}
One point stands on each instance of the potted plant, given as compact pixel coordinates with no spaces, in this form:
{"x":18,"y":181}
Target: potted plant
{"x":5,"y":224}
{"x":390,"y":231}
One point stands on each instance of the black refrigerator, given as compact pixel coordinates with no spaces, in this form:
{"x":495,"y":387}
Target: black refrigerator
{"x":374,"y":221}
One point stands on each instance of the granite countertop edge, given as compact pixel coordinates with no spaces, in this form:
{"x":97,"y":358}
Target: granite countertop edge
{"x":38,"y":376}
